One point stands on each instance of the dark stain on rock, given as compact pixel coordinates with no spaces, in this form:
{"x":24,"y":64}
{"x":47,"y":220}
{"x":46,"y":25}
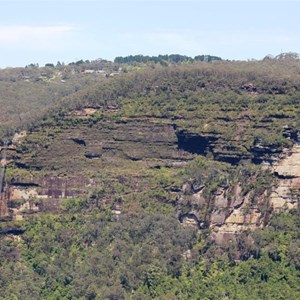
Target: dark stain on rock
{"x":78,"y":141}
{"x":11,"y":230}
{"x":60,"y":187}
{"x":92,"y":155}
{"x":192,"y":143}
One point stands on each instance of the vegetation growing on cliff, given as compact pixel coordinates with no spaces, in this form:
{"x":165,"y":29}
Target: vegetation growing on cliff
{"x":133,"y":165}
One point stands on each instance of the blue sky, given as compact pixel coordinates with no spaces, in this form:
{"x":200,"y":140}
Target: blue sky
{"x":50,"y":31}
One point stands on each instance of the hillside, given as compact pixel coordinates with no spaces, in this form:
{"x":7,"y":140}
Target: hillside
{"x":163,"y":180}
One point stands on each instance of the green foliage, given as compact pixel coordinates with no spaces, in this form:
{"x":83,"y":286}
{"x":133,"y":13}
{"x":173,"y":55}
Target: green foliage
{"x":76,"y":255}
{"x":254,"y":180}
{"x":73,"y":205}
{"x":88,"y":251}
{"x":209,"y":174}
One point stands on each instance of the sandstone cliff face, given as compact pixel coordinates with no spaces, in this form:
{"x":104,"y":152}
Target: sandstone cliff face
{"x":287,"y":194}
{"x":66,"y":164}
{"x":228,"y":211}
{"x":40,"y":194}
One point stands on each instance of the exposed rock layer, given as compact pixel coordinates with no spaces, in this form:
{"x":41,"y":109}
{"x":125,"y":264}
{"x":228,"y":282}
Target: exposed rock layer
{"x":287,"y":193}
{"x":71,"y":156}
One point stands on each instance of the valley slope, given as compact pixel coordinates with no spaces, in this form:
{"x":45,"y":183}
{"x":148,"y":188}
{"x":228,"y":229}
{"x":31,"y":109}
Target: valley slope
{"x":163,"y":169}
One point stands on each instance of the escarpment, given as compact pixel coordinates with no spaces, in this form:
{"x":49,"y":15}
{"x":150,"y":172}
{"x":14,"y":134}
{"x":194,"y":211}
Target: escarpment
{"x":52,"y":164}
{"x":220,"y":155}
{"x":162,"y":181}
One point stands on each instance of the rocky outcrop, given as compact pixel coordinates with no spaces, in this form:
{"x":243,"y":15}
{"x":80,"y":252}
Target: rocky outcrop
{"x":262,"y":154}
{"x":18,"y":137}
{"x":226,"y":212}
{"x":229,"y":210}
{"x":287,"y":194}
{"x":83,"y":113}
{"x":40,"y":194}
